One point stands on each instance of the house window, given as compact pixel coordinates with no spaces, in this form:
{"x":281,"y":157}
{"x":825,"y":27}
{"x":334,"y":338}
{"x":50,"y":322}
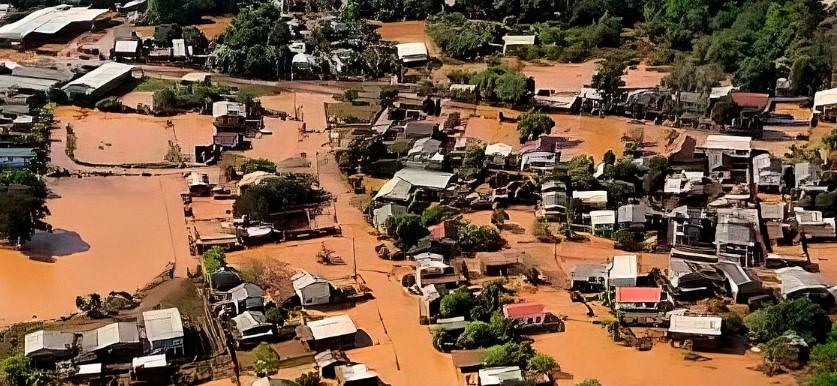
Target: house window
{"x":538,"y":319}
{"x":529,"y":321}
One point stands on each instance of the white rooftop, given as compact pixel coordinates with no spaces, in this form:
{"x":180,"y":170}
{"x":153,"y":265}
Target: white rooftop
{"x":222,"y":108}
{"x":499,"y":375}
{"x":163,"y":324}
{"x":332,"y":326}
{"x":150,"y":361}
{"x":101,"y":76}
{"x":48,"y":21}
{"x":356,"y":372}
{"x":116,"y":333}
{"x":624,"y":267}
{"x":47,"y":340}
{"x":411,"y":51}
{"x":727,"y":142}
{"x":699,"y":325}
{"x":591,"y":196}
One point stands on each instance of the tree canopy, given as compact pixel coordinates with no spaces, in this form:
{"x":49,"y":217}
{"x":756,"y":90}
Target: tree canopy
{"x":532,"y":125}
{"x":800,"y":315}
{"x":285,"y":191}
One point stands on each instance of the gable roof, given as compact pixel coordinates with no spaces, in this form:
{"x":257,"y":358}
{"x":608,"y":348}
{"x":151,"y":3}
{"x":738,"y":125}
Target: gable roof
{"x":395,"y":189}
{"x":425,"y":178}
{"x":249,"y":319}
{"x":101,"y":76}
{"x":304,"y":279}
{"x":115,"y":333}
{"x":48,"y":21}
{"x":332,"y":327}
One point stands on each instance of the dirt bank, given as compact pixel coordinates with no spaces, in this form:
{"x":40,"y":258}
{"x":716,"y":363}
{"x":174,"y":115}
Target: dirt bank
{"x":113,"y":233}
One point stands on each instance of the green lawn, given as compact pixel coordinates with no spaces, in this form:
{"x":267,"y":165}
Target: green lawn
{"x":154,"y":84}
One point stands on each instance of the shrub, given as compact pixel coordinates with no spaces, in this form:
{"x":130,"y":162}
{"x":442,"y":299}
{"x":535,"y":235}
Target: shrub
{"x":589,"y":382}
{"x":267,"y":361}
{"x":542,"y":364}
{"x":258,"y":165}
{"x":477,"y":334}
{"x":110,"y":104}
{"x":824,"y":358}
{"x":405,"y":229}
{"x":276,"y":315}
{"x":509,"y":354}
{"x":799,"y":315}
{"x":788,"y":350}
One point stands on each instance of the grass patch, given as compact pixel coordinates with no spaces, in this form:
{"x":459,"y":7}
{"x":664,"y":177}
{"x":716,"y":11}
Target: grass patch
{"x":154,"y":84}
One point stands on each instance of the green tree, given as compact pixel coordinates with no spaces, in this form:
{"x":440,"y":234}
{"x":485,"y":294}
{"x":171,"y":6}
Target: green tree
{"x":824,"y":358}
{"x":476,"y":334}
{"x":756,"y":74}
{"x":508,"y":354}
{"x":502,"y":328}
{"x":456,"y":303}
{"x":608,"y":77}
{"x":542,"y":364}
{"x":23,"y":207}
{"x":479,"y":238}
{"x":165,"y":100}
{"x":267,"y":361}
{"x":405,"y":229}
{"x":435,"y":214}
{"x":532,"y":125}
{"x":474,"y":160}
{"x":512,"y":87}
{"x":654,"y":179}
{"x":800,"y":315}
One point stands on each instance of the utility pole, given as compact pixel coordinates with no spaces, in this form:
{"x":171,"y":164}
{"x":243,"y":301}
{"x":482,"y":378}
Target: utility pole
{"x":354,"y":258}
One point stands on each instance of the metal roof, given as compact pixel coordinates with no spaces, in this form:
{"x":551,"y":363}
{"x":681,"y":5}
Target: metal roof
{"x":48,"y":21}
{"x":332,"y":327}
{"x":632,"y":213}
{"x":698,"y":325}
{"x":425,"y":146}
{"x":602,"y":217}
{"x":17,"y":152}
{"x":591,"y":196}
{"x":727,"y":142}
{"x":163,"y":324}
{"x":624,"y":267}
{"x":395,"y":189}
{"x":411,"y":51}
{"x":381,"y":214}
{"x":511,"y":40}
{"x":245,"y":291}
{"x":638,"y":294}
{"x":425,"y":178}
{"x":500,"y":149}
{"x":126,"y":46}
{"x":796,"y":279}
{"x":20,"y":82}
{"x":304,"y":279}
{"x":586,"y":271}
{"x":249,"y":319}
{"x":500,"y":375}
{"x":518,"y":310}
{"x":151,"y":361}
{"x":43,"y":73}
{"x":825,"y":98}
{"x":101,"y":76}
{"x":47,"y":340}
{"x":178,"y":48}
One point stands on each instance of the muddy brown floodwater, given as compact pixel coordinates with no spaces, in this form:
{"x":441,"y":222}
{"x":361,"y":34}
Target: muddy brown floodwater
{"x":111,"y":233}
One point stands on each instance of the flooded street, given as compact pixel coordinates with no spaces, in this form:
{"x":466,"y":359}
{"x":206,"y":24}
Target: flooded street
{"x":111,"y":234}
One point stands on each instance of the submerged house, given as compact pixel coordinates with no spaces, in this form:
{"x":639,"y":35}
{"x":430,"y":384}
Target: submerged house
{"x":246,"y":297}
{"x":640,"y":305}
{"x":356,"y":375}
{"x":623,"y":271}
{"x":727,"y":158}
{"x":335,"y":332}
{"x":797,"y":282}
{"x":251,"y":326}
{"x":113,"y":340}
{"x":408,"y":183}
{"x":588,"y":277}
{"x":742,"y":284}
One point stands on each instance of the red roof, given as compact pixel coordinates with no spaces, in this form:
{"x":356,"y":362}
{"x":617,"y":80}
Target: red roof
{"x":750,"y":99}
{"x":638,"y":294}
{"x":519,"y":310}
{"x":447,"y":229}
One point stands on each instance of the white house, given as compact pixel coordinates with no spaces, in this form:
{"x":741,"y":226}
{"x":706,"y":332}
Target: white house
{"x":623,"y":271}
{"x":412,"y":52}
{"x":311,"y":290}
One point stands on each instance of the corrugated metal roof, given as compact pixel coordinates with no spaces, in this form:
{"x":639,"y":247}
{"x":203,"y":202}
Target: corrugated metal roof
{"x":602,"y":217}
{"x":727,"y":142}
{"x":126,"y":46}
{"x":591,"y":196}
{"x":332,"y":327}
{"x":825,"y":97}
{"x":750,"y":99}
{"x":17,"y":152}
{"x":352,"y":373}
{"x":395,"y":189}
{"x":116,"y":333}
{"x":796,"y":279}
{"x":248,"y":320}
{"x":304,"y":279}
{"x":499,"y":375}
{"x":519,"y":310}
{"x":624,"y":267}
{"x":19,"y":82}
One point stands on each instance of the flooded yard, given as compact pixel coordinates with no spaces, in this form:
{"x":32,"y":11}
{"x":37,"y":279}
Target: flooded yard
{"x":111,"y":234}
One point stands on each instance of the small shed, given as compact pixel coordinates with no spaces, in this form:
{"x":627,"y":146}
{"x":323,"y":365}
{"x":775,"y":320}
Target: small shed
{"x":252,"y":326}
{"x":121,"y":338}
{"x":410,"y":53}
{"x":602,"y":222}
{"x":311,"y":289}
{"x":588,"y":277}
{"x":517,"y":40}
